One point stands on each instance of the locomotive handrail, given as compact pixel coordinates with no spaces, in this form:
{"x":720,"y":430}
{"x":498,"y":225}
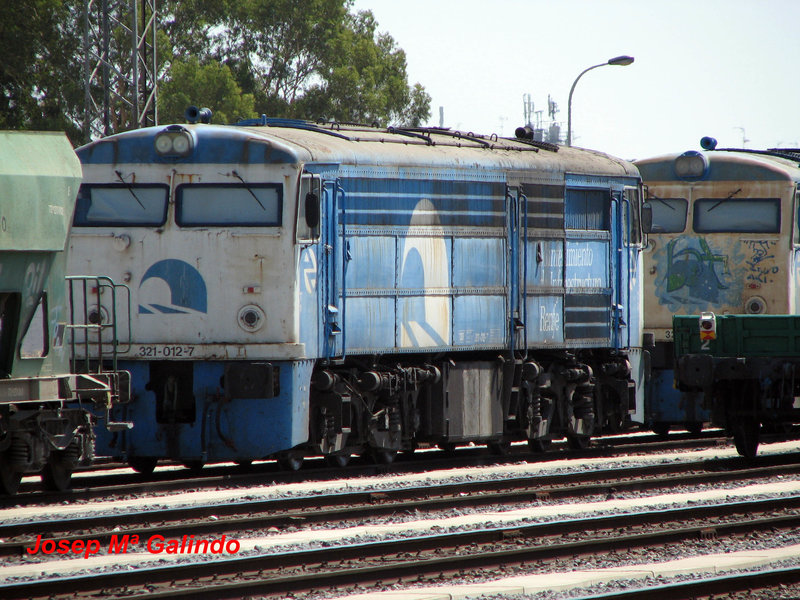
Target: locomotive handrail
{"x":345,"y":260}
{"x":87,"y":326}
{"x":330,"y":265}
{"x":620,"y":244}
{"x":628,"y":245}
{"x":524,"y":199}
{"x":512,"y":267}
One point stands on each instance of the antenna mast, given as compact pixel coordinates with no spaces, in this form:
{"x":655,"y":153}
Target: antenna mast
{"x":120,"y":66}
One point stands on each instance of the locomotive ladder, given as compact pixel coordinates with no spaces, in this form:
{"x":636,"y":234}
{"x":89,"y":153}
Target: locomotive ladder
{"x":94,"y":343}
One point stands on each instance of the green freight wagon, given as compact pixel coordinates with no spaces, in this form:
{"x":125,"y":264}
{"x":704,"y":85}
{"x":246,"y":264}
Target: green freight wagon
{"x":747,"y":367}
{"x":44,"y":425}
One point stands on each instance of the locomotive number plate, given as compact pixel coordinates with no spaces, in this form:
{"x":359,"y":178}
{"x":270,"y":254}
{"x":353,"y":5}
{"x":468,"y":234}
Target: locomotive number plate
{"x":162,"y":351}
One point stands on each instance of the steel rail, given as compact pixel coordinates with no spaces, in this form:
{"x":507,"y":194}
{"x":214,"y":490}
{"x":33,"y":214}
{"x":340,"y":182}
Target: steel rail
{"x":416,"y":558}
{"x":86,"y":488}
{"x":343,"y":506}
{"x":708,"y":586}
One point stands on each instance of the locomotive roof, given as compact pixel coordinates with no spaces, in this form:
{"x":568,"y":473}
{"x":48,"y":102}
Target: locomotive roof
{"x":729,"y":164}
{"x":275,"y":141}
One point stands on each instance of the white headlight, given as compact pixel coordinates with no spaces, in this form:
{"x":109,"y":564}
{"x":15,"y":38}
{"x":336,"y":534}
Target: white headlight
{"x":181,"y":143}
{"x":691,"y":165}
{"x":175,"y":140}
{"x":163,"y":143}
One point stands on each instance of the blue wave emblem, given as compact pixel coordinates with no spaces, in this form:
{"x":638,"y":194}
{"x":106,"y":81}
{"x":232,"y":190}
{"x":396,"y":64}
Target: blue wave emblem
{"x":172,"y":286}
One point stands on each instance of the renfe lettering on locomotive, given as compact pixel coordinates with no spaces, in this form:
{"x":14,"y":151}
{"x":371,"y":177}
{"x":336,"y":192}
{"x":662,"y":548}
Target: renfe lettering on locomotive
{"x":549,"y":320}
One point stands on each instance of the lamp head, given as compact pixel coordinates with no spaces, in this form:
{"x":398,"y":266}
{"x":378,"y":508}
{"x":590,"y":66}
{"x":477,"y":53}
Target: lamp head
{"x":621,"y":61}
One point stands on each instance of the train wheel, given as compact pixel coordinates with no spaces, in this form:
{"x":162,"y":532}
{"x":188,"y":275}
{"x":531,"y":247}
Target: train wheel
{"x":745,"y":437}
{"x":661,"y":429}
{"x":9,"y":478}
{"x":194,"y":465}
{"x":694,"y":427}
{"x":382,"y":456}
{"x":337,"y":461}
{"x":578,"y":442}
{"x":290,"y":461}
{"x":540,"y":445}
{"x":501,"y":448}
{"x":57,"y":473}
{"x":143,"y":464}
{"x":448,"y":447}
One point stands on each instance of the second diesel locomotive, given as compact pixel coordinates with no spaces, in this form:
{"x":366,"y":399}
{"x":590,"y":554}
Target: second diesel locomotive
{"x":724,"y":239}
{"x":337,"y":289}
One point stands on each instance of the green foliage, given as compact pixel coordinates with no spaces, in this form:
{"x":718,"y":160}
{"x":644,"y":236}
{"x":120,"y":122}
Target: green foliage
{"x":209,"y":85}
{"x":310,"y":59}
{"x":41,"y":84}
{"x":307,"y":59}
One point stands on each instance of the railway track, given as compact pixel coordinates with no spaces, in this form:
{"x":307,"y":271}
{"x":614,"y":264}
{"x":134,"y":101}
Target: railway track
{"x":422,"y":559}
{"x":89,"y":485}
{"x":750,"y":584}
{"x":282,"y":513}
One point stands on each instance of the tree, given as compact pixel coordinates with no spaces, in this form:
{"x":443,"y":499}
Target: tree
{"x":302,"y":58}
{"x":40,"y":79}
{"x":309,"y":59}
{"x":210,"y":85}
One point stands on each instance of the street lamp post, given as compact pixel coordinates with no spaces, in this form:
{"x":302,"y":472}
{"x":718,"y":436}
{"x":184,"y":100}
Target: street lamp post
{"x":620,"y":61}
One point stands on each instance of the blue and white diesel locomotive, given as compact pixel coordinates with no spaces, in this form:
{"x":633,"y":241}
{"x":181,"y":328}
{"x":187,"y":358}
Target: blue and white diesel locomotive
{"x":307,"y":289}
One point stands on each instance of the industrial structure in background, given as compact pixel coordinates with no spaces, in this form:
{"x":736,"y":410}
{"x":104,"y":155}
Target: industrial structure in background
{"x":543,"y":131}
{"x":120,"y":66}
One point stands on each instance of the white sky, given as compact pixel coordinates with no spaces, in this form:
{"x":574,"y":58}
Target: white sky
{"x":703,"y":67}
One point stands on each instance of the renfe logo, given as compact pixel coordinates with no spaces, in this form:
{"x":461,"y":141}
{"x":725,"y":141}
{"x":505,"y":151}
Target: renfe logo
{"x":172,"y":286}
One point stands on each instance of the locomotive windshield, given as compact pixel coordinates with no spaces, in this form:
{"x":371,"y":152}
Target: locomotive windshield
{"x":244,"y":205}
{"x":143,"y":205}
{"x":748,"y":215}
{"x":669,"y":214}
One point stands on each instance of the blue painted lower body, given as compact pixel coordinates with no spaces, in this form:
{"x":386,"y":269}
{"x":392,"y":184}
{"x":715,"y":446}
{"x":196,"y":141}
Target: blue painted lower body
{"x":667,"y":405}
{"x":208,"y":425}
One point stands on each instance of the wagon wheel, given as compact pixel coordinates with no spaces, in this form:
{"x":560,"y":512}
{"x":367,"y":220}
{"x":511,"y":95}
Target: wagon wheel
{"x":382,"y":456}
{"x":661,"y":429}
{"x":290,"y":461}
{"x":578,"y":442}
{"x":337,"y":461}
{"x":57,"y":473}
{"x":448,"y":447}
{"x":9,"y":478}
{"x":694,"y":427}
{"x":194,"y":465}
{"x":540,"y":445}
{"x":501,"y":448}
{"x":143,"y":464}
{"x":746,"y":437}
